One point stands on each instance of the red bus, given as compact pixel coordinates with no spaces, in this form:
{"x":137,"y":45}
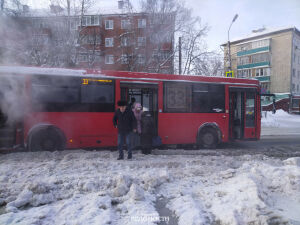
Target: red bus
{"x":49,"y":109}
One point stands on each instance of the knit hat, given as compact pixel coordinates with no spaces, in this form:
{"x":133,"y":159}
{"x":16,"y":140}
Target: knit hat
{"x":122,"y":103}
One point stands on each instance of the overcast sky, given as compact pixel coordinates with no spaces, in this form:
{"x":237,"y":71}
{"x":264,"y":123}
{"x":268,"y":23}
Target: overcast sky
{"x":253,"y":14}
{"x":218,"y":14}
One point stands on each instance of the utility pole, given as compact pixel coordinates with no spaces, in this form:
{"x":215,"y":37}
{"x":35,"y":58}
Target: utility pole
{"x":180,"y":56}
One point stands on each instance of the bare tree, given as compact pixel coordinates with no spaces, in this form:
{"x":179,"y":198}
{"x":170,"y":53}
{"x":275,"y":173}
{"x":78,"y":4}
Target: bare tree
{"x":56,"y":40}
{"x":12,"y":7}
{"x":196,"y":59}
{"x":193,"y":47}
{"x":209,"y":64}
{"x":171,"y":19}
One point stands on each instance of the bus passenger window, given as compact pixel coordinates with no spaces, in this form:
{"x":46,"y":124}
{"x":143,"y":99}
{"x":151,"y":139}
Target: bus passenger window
{"x":250,"y":113}
{"x":208,"y":98}
{"x":177,"y":97}
{"x":97,"y":94}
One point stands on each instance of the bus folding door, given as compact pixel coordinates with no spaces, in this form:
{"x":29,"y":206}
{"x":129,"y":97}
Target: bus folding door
{"x":243,"y":113}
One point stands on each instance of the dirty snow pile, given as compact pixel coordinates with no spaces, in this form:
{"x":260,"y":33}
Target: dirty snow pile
{"x":280,"y":119}
{"x":85,"y":187}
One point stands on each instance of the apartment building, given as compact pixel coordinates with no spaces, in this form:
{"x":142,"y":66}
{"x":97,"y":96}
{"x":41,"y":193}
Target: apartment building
{"x":126,"y":41}
{"x":272,"y":57}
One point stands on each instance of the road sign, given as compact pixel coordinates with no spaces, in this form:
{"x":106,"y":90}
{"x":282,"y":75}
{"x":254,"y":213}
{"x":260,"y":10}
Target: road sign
{"x":230,"y":73}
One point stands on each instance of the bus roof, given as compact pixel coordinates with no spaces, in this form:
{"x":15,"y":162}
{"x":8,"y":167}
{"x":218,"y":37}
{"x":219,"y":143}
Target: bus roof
{"x":121,"y":75}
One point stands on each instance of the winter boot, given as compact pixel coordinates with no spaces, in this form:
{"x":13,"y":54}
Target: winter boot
{"x":129,"y":156}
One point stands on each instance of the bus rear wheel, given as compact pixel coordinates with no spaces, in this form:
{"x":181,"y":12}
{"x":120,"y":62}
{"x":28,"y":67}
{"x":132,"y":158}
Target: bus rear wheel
{"x":208,"y":138}
{"x":46,"y":139}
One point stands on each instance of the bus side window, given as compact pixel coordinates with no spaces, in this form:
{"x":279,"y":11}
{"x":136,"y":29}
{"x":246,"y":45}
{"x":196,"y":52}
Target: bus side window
{"x":208,"y":98}
{"x":177,"y":97}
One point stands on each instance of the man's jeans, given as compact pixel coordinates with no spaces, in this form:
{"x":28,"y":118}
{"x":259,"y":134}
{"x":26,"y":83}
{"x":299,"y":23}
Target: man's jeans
{"x":121,"y":139}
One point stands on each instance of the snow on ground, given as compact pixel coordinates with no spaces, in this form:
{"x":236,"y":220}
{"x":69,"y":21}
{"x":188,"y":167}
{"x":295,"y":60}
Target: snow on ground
{"x":197,"y":186}
{"x":92,"y":187}
{"x":280,"y":123}
{"x":280,"y":119}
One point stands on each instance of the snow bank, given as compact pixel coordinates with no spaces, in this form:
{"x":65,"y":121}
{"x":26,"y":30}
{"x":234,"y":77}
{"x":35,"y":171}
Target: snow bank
{"x":79,"y":187}
{"x":280,"y":119}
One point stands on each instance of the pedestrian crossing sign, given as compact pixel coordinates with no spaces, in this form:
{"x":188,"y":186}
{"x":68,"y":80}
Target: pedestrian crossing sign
{"x":230,"y":73}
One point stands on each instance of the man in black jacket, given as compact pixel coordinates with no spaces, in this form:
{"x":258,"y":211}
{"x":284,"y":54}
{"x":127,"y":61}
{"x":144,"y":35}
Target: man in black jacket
{"x":125,"y":121}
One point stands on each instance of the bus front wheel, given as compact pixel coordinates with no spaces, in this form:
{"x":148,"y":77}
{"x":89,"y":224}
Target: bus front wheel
{"x":46,"y":139}
{"x":208,"y":138}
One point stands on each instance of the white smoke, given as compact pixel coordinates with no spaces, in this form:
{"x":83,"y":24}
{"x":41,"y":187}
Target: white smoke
{"x":12,"y":98}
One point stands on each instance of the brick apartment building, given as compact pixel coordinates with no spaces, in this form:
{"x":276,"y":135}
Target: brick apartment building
{"x":125,"y":42}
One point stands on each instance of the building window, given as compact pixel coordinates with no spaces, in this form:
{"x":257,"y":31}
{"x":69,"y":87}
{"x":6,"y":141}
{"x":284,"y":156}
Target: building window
{"x":141,"y":41}
{"x":245,"y":47}
{"x":109,"y":59}
{"x":265,"y":88}
{"x":94,"y":20}
{"x":298,"y":74}
{"x":109,"y":42}
{"x":89,"y":56}
{"x":244,"y":73}
{"x":264,"y":57}
{"x":141,"y":59}
{"x":109,"y":24}
{"x":124,"y":41}
{"x":86,"y":21}
{"x":260,"y":44}
{"x":161,"y":56}
{"x":83,"y":57}
{"x":141,"y":23}
{"x":262,"y":72}
{"x":244,"y":60}
{"x":91,"y":39}
{"x":97,"y":56}
{"x":164,"y":55}
{"x":125,"y":24}
{"x":124,"y":59}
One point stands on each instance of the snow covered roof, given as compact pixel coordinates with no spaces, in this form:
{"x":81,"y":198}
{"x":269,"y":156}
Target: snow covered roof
{"x":41,"y":70}
{"x":99,"y":8}
{"x":260,"y":33}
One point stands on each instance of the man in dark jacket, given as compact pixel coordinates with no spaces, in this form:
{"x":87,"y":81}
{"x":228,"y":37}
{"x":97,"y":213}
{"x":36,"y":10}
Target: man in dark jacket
{"x":125,"y":121}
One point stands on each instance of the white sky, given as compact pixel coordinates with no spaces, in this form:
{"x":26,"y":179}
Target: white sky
{"x":253,"y":14}
{"x":218,"y":14}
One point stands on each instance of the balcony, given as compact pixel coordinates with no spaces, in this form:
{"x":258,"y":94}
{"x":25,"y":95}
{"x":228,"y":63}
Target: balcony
{"x":253,"y":51}
{"x":263,"y":79}
{"x":253,"y":65}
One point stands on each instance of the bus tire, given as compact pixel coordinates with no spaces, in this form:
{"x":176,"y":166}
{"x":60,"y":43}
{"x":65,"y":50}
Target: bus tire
{"x":46,"y":139}
{"x":208,"y":138}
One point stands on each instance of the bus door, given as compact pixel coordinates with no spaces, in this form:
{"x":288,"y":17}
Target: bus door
{"x":7,"y":130}
{"x":242,"y":113}
{"x":144,"y":93}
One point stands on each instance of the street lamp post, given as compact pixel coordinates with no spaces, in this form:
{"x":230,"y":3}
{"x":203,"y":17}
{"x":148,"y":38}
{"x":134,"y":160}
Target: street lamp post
{"x":229,"y":54}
